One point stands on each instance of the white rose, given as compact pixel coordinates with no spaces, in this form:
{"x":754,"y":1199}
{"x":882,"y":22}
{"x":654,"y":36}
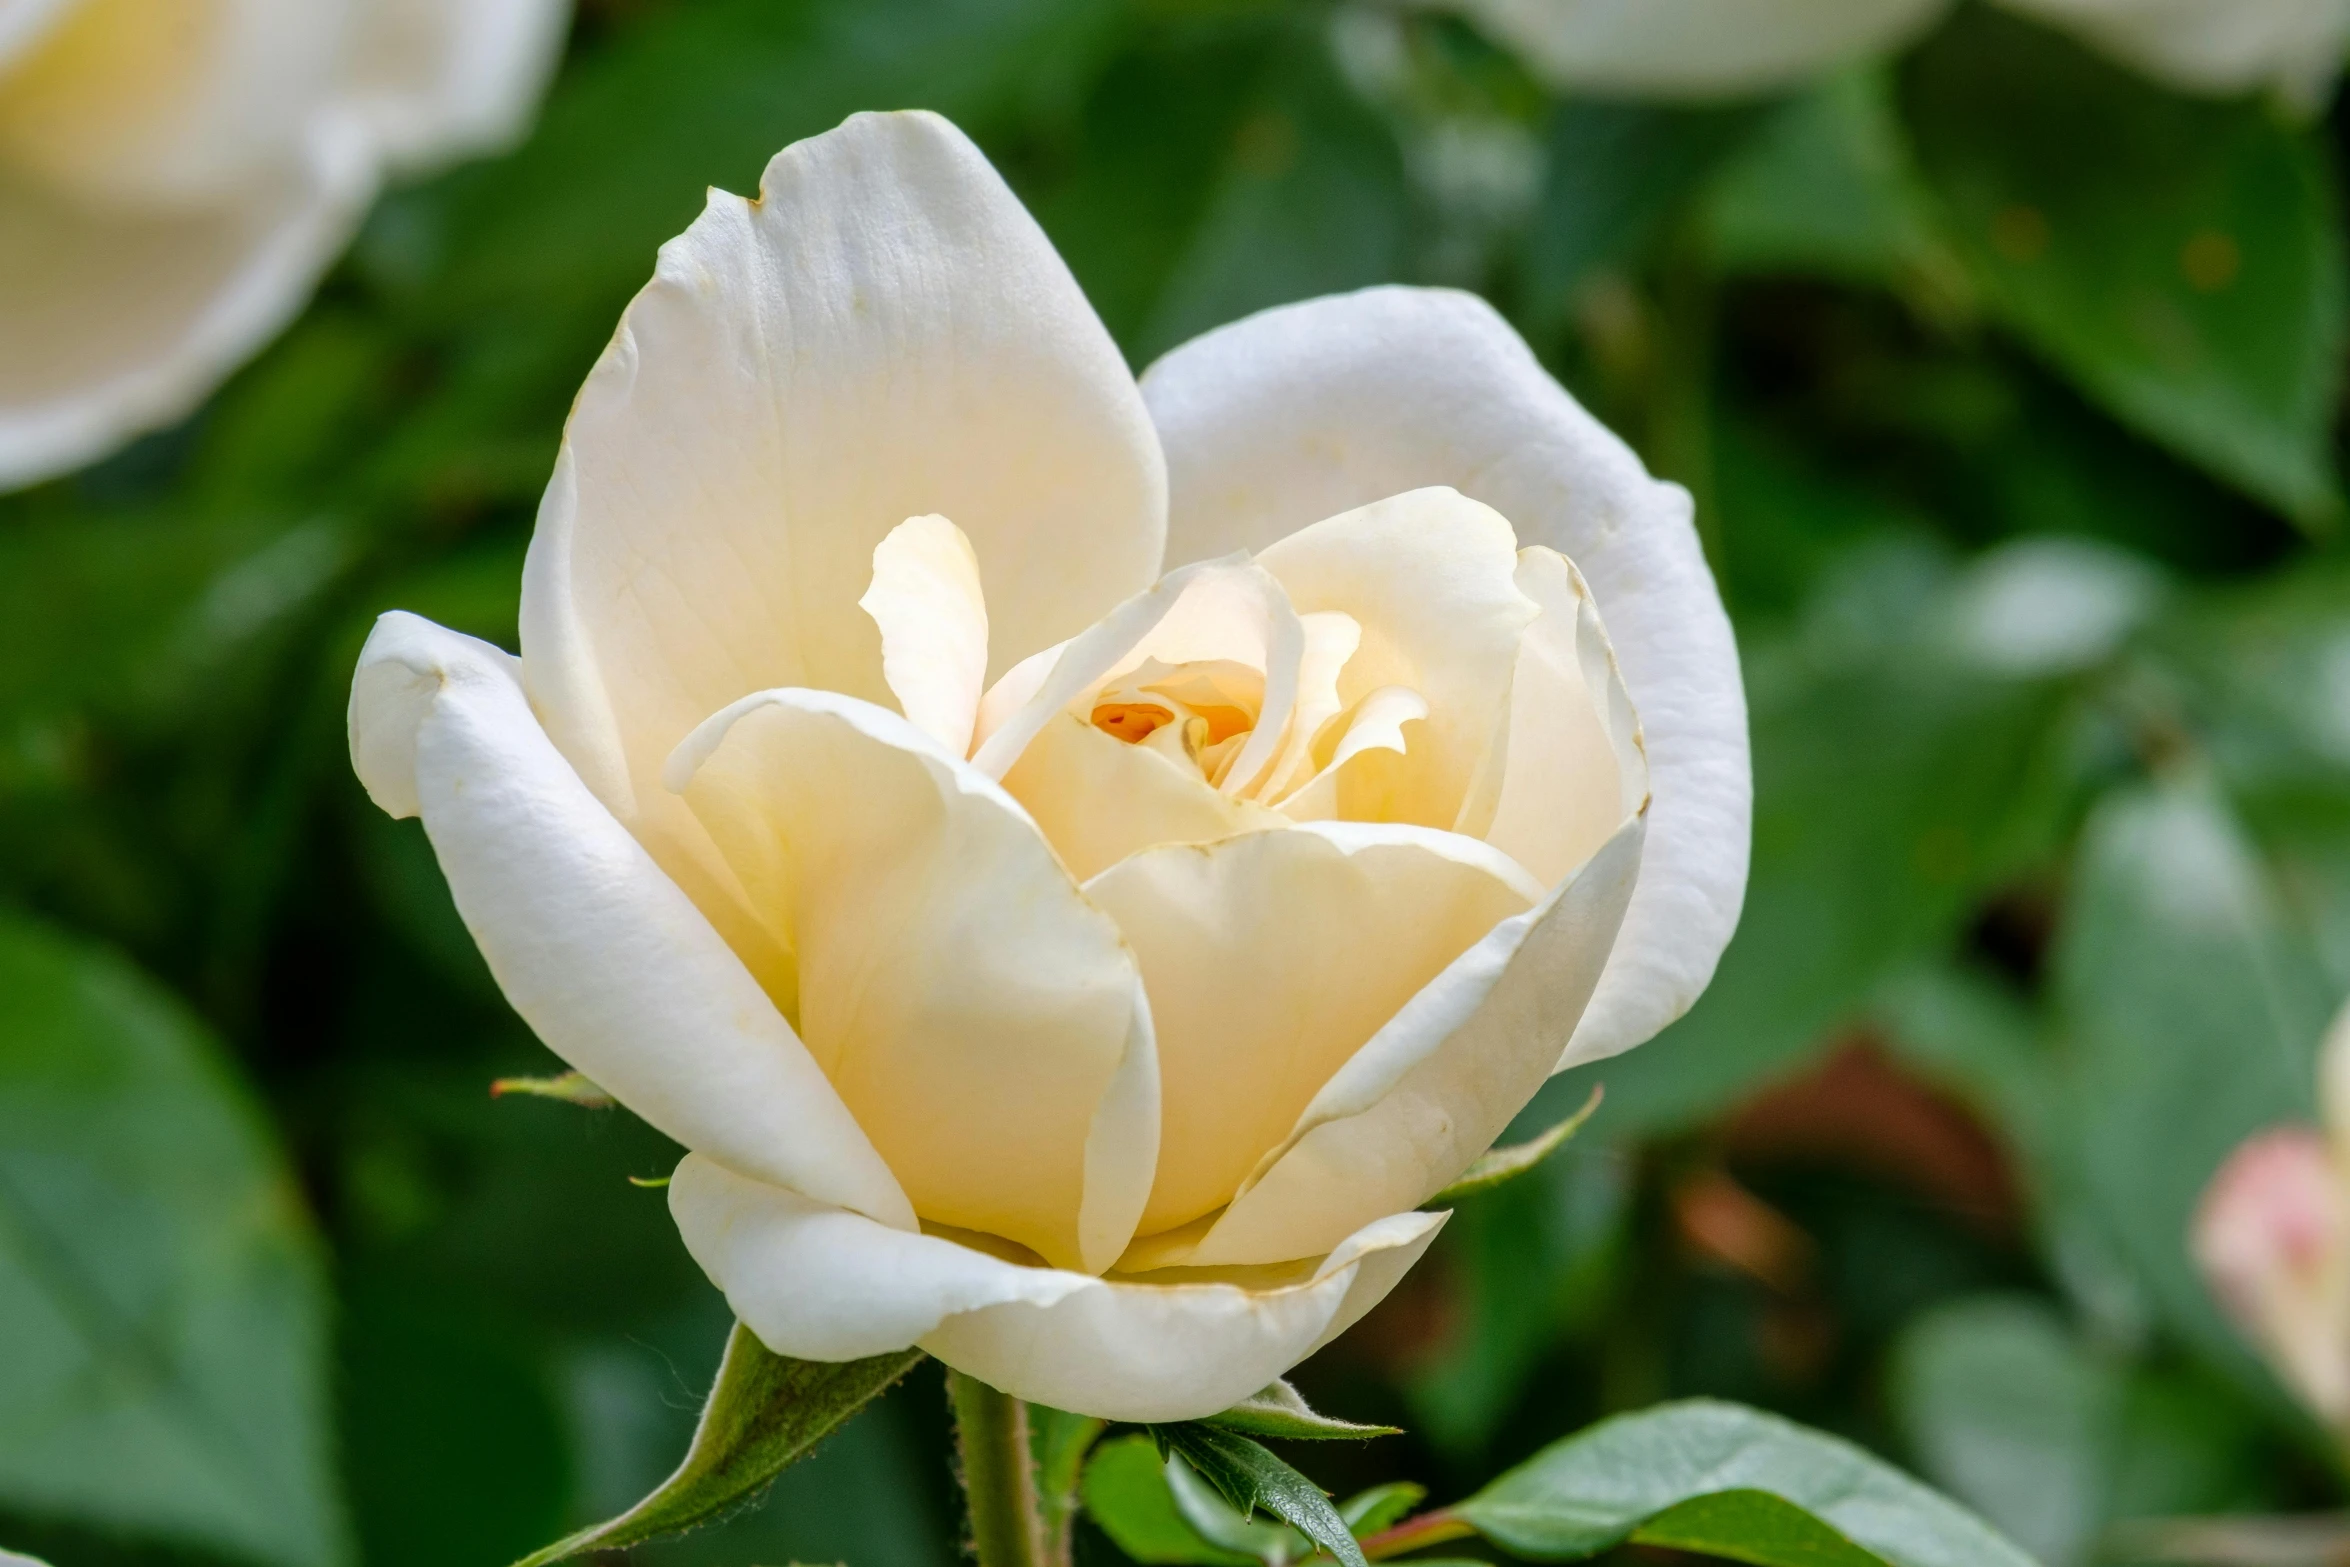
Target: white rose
{"x":175,"y":175}
{"x":1079,"y":971}
{"x":1727,"y":48}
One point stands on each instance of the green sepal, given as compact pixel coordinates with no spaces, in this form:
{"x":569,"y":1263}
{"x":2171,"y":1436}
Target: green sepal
{"x":1249,"y":1477}
{"x":573,"y":1088}
{"x":765,"y":1413}
{"x":1278,"y":1412}
{"x":1507,"y":1164}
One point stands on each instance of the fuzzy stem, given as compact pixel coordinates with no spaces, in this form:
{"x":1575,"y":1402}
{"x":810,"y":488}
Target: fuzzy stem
{"x":999,"y":1474}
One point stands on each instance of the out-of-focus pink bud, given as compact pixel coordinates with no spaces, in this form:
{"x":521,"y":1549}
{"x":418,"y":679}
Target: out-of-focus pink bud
{"x":2273,"y":1239}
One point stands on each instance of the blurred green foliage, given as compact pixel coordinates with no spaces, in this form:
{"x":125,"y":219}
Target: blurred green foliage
{"x":2008,"y":386}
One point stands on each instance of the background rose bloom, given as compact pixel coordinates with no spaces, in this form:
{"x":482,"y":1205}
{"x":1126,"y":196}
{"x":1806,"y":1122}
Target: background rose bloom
{"x":1002,"y":929}
{"x":175,"y":175}
{"x":1709,"y":48}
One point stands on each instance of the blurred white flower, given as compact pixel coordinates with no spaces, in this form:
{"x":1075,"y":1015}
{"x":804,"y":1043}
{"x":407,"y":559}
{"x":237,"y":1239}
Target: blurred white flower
{"x":1699,"y":49}
{"x":2291,"y":47}
{"x":2272,"y":1237}
{"x":176,"y":174}
{"x":1078,"y":967}
{"x":1696,"y":48}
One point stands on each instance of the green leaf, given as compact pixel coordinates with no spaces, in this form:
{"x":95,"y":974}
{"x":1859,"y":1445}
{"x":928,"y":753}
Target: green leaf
{"x":1061,"y":1441}
{"x":1368,"y":1512}
{"x":1310,"y":199}
{"x":1499,"y":1166}
{"x":1752,"y":1526}
{"x":1223,"y":1525}
{"x":704,"y":95}
{"x":1825,"y":187}
{"x":2182,"y":260}
{"x":1278,"y":1411}
{"x":1895,"y":783}
{"x":161,"y":1291}
{"x":765,"y":1412}
{"x":2003,"y":1408}
{"x":2191,"y":1008}
{"x":1127,"y":1494}
{"x":2060,"y":1443}
{"x":1249,"y":1477}
{"x":573,"y":1088}
{"x":1600,"y":1487}
{"x":1618,"y":175}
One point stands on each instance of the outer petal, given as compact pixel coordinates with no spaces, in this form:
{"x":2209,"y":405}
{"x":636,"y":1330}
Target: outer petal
{"x":1573,"y":769}
{"x":121,"y":321}
{"x":1098,"y":799}
{"x":821,"y":1284}
{"x":440,"y":78}
{"x":599,"y":952}
{"x":1697,"y":48}
{"x":1302,"y":412}
{"x":1429,"y":575}
{"x":1271,"y":959}
{"x":884,"y":334}
{"x":1433,"y":1088}
{"x":982,"y":1020}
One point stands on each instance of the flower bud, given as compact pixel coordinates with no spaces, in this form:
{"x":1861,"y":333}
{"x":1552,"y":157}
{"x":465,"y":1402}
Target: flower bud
{"x":2273,"y":1239}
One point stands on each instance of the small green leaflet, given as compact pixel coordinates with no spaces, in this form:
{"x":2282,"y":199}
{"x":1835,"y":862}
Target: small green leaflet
{"x":1501,"y":1165}
{"x":764,"y":1413}
{"x":1732,"y":1482}
{"x":1279,"y":1412}
{"x":571,"y":1087}
{"x":1249,"y":1477}
{"x":1127,"y":1495}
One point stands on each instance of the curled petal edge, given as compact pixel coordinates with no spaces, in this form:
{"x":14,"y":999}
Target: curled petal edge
{"x":820,"y":1283}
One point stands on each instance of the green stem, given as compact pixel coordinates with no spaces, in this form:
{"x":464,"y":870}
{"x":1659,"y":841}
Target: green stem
{"x":999,"y":1475}
{"x":1431,"y":1528}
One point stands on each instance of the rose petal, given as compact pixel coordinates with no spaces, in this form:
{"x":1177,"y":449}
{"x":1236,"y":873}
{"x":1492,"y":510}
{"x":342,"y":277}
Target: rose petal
{"x":1215,"y":609}
{"x":1429,"y":576}
{"x":1098,"y":799}
{"x":601,"y":954}
{"x":121,"y":321}
{"x":1574,"y":769}
{"x":1331,"y":638}
{"x":926,"y":598}
{"x":979,"y":1016}
{"x":1433,"y":1088}
{"x":440,"y":78}
{"x":123,"y":104}
{"x":1270,"y":959}
{"x":884,"y":334}
{"x":1302,"y":412}
{"x":821,"y":1284}
{"x":1363,"y":778}
{"x":1696,"y":48}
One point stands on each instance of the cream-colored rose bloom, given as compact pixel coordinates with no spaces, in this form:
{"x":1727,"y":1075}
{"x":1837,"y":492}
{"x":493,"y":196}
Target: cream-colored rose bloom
{"x":176,"y":174}
{"x":1701,"y":49}
{"x":1079,"y":968}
